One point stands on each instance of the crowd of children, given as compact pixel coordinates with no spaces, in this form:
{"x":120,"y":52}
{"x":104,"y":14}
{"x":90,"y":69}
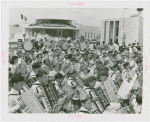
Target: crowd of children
{"x":63,"y":62}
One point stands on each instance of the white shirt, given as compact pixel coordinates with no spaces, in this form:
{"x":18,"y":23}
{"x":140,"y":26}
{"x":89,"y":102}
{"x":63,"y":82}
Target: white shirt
{"x":83,"y":109}
{"x":13,"y":67}
{"x":34,"y":87}
{"x":116,"y":47}
{"x":33,"y":74}
{"x":11,"y":99}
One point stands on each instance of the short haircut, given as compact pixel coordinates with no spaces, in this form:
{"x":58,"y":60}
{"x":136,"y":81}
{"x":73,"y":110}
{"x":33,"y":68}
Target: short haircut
{"x":104,"y":68}
{"x":104,"y":73}
{"x":110,"y":52}
{"x":116,"y":65}
{"x":126,"y":64}
{"x":12,"y":59}
{"x":90,"y":80}
{"x":38,"y":55}
{"x":138,"y":61}
{"x":99,"y":62}
{"x":138,"y":99}
{"x":58,"y":76}
{"x":36,"y":65}
{"x":16,"y":78}
{"x":28,"y":59}
{"x":45,"y":52}
{"x":41,"y":74}
{"x":45,"y":60}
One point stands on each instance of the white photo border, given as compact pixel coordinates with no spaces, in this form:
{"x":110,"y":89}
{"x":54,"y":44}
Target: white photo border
{"x":5,"y":116}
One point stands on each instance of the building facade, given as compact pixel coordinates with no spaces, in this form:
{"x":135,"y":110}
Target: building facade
{"x":89,"y":32}
{"x":56,"y":28}
{"x":128,"y":30}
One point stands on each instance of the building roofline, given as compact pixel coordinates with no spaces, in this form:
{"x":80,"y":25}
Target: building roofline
{"x":114,"y":19}
{"x":52,"y":27}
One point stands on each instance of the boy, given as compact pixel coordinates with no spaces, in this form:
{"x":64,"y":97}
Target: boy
{"x":42,"y":79}
{"x":110,"y":91}
{"x":17,"y":85}
{"x":28,"y":64}
{"x":60,"y":81}
{"x":35,"y":70}
{"x":125,"y":73}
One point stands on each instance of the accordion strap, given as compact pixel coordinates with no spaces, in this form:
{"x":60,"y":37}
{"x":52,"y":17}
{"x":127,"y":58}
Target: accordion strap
{"x":124,"y":71}
{"x":38,"y":86}
{"x":13,"y":94}
{"x":84,"y":112}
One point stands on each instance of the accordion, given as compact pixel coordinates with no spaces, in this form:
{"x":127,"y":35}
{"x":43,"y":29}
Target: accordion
{"x":32,"y":104}
{"x":102,"y":103}
{"x":96,"y":111}
{"x":79,"y":82}
{"x":108,"y":91}
{"x":51,"y":96}
{"x":67,"y":89}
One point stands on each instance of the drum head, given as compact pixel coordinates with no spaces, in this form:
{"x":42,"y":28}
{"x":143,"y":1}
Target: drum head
{"x":28,"y":45}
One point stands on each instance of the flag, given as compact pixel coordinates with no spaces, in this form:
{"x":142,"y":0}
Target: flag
{"x":21,"y":16}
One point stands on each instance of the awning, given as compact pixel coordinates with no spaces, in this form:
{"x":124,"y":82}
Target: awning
{"x":67,"y":28}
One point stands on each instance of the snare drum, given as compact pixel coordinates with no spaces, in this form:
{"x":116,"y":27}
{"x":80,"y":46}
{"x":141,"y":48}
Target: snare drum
{"x":28,"y":45}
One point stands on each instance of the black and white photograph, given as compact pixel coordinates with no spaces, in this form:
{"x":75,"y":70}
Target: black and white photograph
{"x":75,"y":60}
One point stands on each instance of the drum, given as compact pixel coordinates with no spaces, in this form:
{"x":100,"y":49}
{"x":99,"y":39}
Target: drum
{"x":28,"y":45}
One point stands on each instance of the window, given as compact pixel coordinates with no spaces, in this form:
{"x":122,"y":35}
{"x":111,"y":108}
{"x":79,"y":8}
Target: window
{"x":94,"y":35}
{"x":91,"y":34}
{"x":85,"y":34}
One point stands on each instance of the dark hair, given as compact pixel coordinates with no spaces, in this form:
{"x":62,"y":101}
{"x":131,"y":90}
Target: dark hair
{"x":77,"y":50}
{"x":99,"y":62}
{"x":38,"y":55}
{"x":45,"y":60}
{"x":138,"y":61}
{"x":58,"y":76}
{"x":125,"y":64}
{"x":89,"y":80}
{"x":115,"y":65}
{"x":12,"y":59}
{"x":45,"y":52}
{"x":104,"y":73}
{"x":28,"y":59}
{"x":41,"y":73}
{"x":110,"y":52}
{"x":126,"y":101}
{"x":16,"y":78}
{"x":104,"y":68}
{"x":138,"y":99}
{"x":36,"y":65}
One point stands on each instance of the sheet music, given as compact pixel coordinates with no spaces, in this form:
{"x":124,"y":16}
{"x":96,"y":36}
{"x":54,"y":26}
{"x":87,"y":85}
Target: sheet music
{"x":124,"y":90}
{"x":110,"y":90}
